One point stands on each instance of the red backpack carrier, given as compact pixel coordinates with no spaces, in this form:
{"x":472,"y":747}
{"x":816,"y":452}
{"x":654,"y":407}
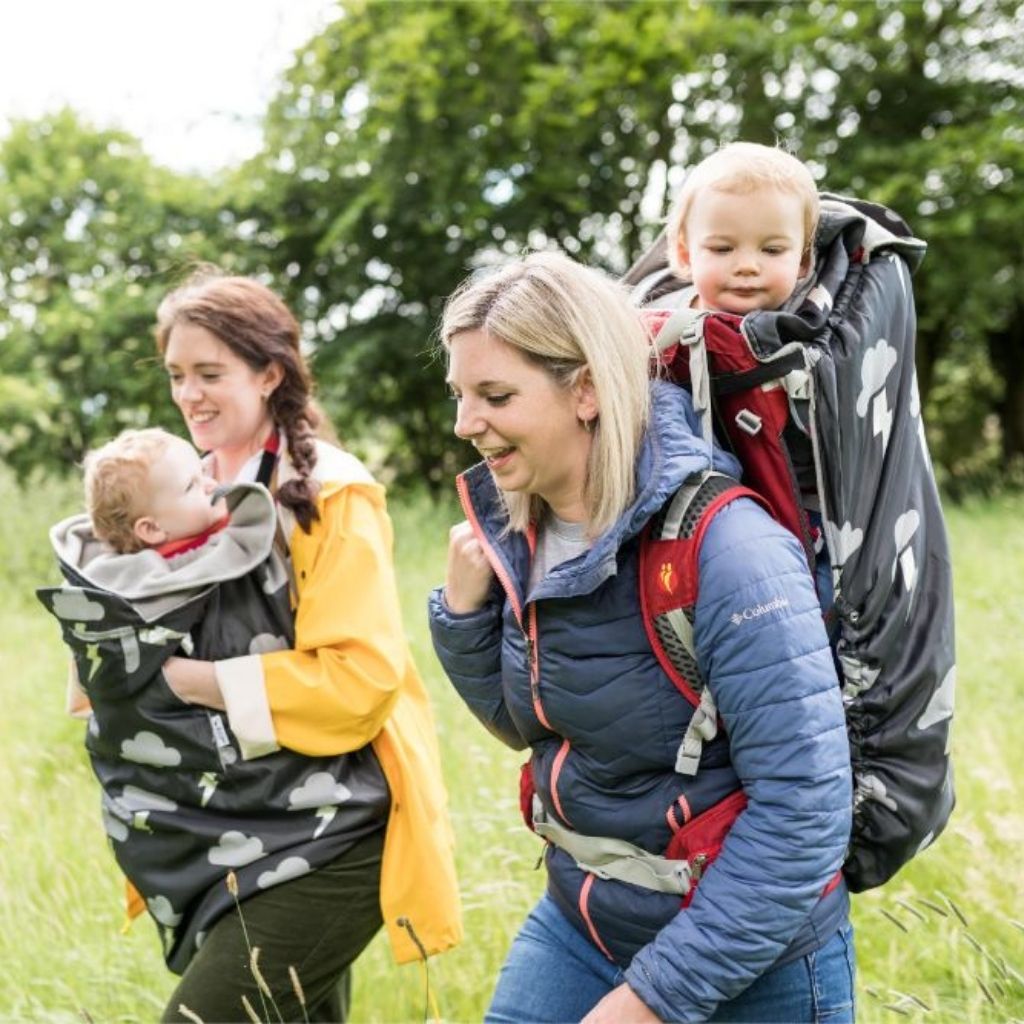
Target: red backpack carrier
{"x":819,"y":403}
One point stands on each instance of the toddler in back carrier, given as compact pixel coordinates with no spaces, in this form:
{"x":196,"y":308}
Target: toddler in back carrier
{"x":742,"y":228}
{"x":741,"y":231}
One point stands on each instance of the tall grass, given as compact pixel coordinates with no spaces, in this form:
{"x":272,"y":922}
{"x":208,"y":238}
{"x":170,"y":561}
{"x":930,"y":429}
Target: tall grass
{"x":62,"y":955}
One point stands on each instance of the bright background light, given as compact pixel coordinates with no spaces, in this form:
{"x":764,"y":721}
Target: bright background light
{"x":191,"y":78}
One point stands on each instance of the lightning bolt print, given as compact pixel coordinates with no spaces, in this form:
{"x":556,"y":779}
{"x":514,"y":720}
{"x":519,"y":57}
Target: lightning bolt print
{"x":327,"y":813}
{"x":92,"y":654}
{"x":207,"y":786}
{"x":881,"y":418}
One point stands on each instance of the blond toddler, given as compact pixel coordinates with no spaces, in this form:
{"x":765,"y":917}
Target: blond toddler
{"x":147,"y":489}
{"x":742,"y":228}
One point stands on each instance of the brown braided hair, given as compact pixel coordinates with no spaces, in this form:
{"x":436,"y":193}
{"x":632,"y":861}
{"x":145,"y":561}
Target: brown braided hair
{"x":260,"y":329}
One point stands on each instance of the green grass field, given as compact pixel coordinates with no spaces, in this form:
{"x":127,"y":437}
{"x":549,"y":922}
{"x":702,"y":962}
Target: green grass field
{"x":944,"y":941}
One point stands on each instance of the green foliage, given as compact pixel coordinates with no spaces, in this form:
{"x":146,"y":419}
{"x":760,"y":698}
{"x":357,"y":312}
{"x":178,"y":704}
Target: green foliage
{"x":64,"y":957}
{"x":414,"y":142}
{"x":93,"y":236}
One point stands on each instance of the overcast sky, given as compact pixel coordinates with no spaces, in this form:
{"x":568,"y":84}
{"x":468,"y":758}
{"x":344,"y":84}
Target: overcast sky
{"x":191,"y":78}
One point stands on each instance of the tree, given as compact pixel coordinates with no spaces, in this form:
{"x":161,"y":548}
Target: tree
{"x":94,"y":235}
{"x":412,"y":143}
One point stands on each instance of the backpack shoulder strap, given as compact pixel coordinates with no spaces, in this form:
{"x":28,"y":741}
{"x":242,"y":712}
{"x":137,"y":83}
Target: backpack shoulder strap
{"x":669,"y":578}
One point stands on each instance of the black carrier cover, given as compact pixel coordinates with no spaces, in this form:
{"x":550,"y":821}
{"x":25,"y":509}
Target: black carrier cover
{"x":179,"y":804}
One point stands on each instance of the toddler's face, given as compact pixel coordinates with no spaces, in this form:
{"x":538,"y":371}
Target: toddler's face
{"x":180,"y":494}
{"x":744,"y":251}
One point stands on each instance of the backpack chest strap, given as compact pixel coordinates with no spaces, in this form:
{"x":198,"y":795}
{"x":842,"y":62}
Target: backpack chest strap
{"x":615,"y":858}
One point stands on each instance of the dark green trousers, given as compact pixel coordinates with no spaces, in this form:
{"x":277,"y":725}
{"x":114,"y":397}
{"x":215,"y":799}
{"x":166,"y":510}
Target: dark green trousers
{"x":318,"y":924}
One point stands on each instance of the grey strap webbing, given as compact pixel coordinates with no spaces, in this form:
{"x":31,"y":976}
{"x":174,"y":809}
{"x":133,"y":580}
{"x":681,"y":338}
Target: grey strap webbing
{"x":615,"y":858}
{"x":686,"y":326}
{"x":703,"y":725}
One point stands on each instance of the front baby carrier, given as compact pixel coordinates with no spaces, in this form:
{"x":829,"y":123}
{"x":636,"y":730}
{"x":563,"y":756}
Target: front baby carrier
{"x":181,"y":806}
{"x":819,"y":401}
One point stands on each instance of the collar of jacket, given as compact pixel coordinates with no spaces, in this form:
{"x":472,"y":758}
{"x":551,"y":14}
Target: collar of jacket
{"x":671,"y":450}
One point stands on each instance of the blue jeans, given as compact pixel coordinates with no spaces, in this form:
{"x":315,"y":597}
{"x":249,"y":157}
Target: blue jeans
{"x":553,"y":974}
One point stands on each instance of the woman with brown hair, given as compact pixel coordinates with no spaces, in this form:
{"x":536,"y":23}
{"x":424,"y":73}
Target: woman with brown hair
{"x":348,"y":695}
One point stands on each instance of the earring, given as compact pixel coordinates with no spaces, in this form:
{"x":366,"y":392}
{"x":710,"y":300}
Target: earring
{"x":588,"y":425}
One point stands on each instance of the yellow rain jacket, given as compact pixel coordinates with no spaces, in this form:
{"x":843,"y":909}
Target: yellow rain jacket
{"x":351,"y":681}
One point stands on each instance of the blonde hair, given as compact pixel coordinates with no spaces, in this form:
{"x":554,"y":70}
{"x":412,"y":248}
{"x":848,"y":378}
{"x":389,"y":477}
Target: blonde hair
{"x":117,"y":484}
{"x":564,"y":318}
{"x":741,"y":168}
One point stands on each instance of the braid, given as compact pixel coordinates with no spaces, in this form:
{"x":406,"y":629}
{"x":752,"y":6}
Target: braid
{"x":299,"y":426}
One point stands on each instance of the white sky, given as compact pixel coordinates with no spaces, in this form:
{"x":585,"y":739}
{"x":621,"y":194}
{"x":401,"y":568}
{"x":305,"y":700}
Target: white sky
{"x":191,"y":78}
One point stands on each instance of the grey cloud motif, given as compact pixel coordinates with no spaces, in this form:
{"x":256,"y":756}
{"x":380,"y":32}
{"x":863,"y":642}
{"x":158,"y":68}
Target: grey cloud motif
{"x":821,"y":297}
{"x":903,"y":533}
{"x":148,"y":748}
{"x":236,"y":849}
{"x":274,"y":576}
{"x":940,"y":707}
{"x":289,"y":868}
{"x":264,"y":643}
{"x":160,"y":636}
{"x":160,"y":907}
{"x":319,"y":789}
{"x":135,"y":799}
{"x":878,"y":363}
{"x":75,"y":606}
{"x":843,"y":542}
{"x":870,"y":787}
{"x":114,"y":827}
{"x":857,"y":676}
{"x":925,"y":843}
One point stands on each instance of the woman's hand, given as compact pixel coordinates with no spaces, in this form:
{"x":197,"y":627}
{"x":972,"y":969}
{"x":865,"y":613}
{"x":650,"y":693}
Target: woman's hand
{"x":621,"y":1006}
{"x":195,"y":682}
{"x":468,"y":579}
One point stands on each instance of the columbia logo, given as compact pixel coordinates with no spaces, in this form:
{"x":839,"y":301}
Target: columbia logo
{"x":757,"y":610}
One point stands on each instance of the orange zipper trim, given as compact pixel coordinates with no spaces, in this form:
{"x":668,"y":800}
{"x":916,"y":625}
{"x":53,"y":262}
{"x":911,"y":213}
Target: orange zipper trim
{"x":588,"y":883}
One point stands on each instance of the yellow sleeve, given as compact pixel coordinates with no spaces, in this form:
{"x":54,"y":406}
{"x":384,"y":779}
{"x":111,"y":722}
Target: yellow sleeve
{"x":334,"y":691}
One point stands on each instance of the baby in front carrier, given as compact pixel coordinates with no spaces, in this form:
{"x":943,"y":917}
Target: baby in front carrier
{"x":163,"y":566}
{"x":147,"y":489}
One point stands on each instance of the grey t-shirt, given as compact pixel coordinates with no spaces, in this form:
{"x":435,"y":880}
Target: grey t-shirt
{"x":557,"y":542}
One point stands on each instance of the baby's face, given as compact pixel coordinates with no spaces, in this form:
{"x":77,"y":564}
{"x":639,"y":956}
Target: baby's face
{"x":745,"y":252}
{"x":180,"y":494}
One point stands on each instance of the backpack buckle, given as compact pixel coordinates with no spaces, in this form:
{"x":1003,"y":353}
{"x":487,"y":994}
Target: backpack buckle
{"x":749,"y":422}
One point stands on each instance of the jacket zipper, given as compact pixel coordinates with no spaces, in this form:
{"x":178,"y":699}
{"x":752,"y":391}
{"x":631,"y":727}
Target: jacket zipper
{"x":528,"y":625}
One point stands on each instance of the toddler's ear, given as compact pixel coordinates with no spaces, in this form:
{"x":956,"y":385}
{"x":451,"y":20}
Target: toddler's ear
{"x":683,"y":255}
{"x":148,"y":531}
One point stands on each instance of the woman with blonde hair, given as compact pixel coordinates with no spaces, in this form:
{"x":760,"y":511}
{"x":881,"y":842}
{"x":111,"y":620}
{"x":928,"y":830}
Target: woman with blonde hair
{"x":539,"y":626}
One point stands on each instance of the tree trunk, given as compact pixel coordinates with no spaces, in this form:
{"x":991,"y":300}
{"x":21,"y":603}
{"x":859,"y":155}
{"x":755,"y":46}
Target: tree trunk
{"x":1006,"y":350}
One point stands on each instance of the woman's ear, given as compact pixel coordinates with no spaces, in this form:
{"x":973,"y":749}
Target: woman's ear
{"x":587,"y":408}
{"x":272,"y":377}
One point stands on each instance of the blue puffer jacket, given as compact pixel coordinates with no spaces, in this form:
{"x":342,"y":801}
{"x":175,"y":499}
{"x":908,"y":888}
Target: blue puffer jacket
{"x":604,"y":723}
